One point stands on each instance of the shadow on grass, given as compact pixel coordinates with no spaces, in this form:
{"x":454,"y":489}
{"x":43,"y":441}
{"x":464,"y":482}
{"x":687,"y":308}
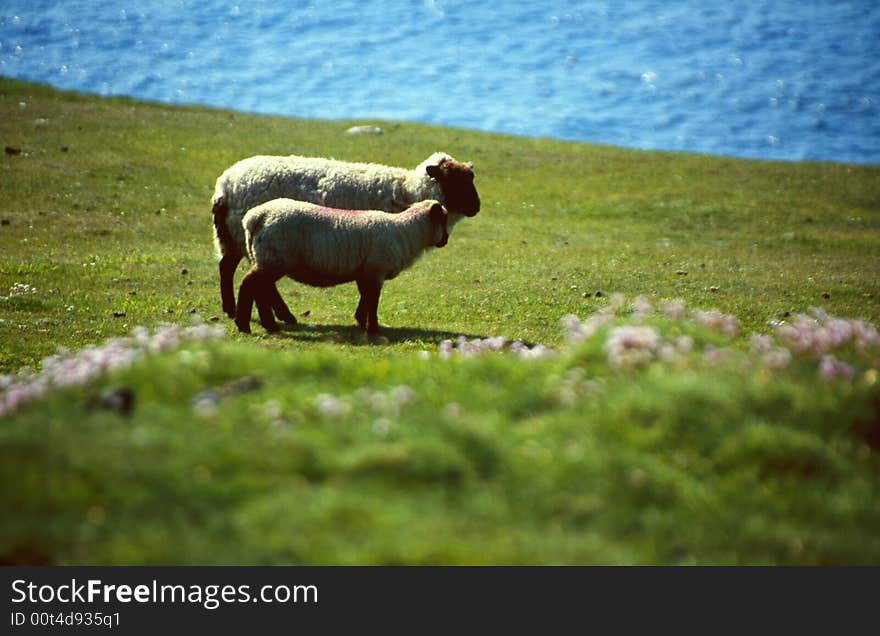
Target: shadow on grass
{"x":350,"y":334}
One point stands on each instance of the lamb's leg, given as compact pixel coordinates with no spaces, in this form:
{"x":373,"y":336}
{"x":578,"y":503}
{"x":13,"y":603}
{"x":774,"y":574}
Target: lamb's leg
{"x":265,"y":294}
{"x":228,"y":263}
{"x":282,"y":311}
{"x":249,"y":284}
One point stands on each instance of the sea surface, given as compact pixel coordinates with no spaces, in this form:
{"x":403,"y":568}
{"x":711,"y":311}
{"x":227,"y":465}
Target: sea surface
{"x":791,"y":80}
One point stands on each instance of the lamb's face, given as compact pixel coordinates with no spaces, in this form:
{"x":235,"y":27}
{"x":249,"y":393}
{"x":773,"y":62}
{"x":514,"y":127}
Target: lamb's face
{"x":438,"y":221}
{"x":456,"y":180}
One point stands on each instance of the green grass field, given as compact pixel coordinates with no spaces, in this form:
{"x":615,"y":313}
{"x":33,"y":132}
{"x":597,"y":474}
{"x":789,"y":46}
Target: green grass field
{"x":317,"y":446}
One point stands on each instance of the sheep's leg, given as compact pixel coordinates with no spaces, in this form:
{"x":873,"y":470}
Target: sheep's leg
{"x":246,"y":293}
{"x":282,"y":311}
{"x":228,"y":264}
{"x":372,"y":317}
{"x":368,"y":305}
{"x":360,"y":314}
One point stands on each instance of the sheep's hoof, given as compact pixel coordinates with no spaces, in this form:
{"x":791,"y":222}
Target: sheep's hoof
{"x":272,"y":328}
{"x":243,"y":328}
{"x":285,"y":316}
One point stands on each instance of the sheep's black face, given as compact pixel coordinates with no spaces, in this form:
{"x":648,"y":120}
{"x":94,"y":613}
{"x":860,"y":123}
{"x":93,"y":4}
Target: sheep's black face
{"x":457,"y":183}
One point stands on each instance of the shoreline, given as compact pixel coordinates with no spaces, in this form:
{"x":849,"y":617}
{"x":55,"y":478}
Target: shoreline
{"x":391,"y":123}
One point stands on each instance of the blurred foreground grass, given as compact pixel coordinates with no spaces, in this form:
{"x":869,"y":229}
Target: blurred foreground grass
{"x":310,"y":447}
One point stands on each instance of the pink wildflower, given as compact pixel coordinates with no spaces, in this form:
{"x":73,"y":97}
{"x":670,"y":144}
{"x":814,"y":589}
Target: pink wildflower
{"x":629,"y":346}
{"x":865,"y":335}
{"x":776,"y":358}
{"x":642,"y":307}
{"x":468,"y":348}
{"x":714,"y":319}
{"x":830,"y":368}
{"x":716,"y":355}
{"x":824,"y":333}
{"x":684,"y":344}
{"x":577,"y":331}
{"x":66,"y":369}
{"x":761,"y":343}
{"x":674,"y":309}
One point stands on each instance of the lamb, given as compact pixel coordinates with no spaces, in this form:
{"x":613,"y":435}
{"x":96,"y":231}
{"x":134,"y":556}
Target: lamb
{"x":331,"y":183}
{"x":323,"y":247}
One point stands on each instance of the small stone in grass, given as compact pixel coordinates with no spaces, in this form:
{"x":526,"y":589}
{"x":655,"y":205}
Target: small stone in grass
{"x":713,"y":288}
{"x":599,"y":294}
{"x":184,"y":272}
{"x":364,"y":130}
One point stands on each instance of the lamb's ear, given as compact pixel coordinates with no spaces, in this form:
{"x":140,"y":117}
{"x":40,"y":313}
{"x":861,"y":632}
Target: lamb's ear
{"x":435,"y":172}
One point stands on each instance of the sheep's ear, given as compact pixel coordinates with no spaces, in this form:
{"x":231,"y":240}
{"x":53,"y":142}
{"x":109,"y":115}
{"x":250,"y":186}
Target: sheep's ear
{"x":435,"y":172}
{"x":437,"y":212}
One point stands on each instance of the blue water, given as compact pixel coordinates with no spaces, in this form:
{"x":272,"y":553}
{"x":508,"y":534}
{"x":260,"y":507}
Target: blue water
{"x":775,"y":80}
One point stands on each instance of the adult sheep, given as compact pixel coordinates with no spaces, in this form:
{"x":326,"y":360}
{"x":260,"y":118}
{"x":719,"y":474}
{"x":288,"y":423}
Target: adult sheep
{"x":322,"y":247}
{"x":332,"y":183}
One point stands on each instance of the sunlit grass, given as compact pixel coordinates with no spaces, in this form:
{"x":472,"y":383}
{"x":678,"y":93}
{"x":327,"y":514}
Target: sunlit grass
{"x":318,"y":446}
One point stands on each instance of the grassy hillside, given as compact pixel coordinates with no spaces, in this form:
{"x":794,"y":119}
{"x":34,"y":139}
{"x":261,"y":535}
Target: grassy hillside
{"x":697,"y":444}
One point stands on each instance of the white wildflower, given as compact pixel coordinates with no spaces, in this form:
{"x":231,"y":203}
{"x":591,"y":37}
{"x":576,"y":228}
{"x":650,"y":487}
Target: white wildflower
{"x":331,"y":406}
